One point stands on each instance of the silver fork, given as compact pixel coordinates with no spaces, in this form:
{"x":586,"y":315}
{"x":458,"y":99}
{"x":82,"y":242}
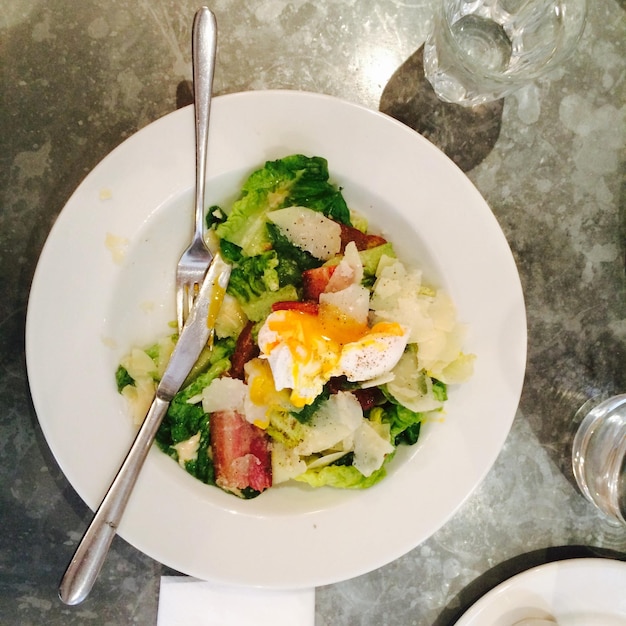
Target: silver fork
{"x":196,"y":259}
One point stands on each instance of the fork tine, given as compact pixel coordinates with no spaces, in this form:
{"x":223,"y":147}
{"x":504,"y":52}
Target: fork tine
{"x":185,"y":296}
{"x":192,"y":292}
{"x":180,"y":305}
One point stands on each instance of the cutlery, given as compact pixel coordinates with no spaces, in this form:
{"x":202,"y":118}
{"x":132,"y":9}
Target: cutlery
{"x":196,"y":258}
{"x":197,"y":331}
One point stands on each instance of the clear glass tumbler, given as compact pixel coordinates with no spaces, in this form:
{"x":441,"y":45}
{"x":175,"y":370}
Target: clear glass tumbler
{"x":482,"y":50}
{"x":599,"y":456}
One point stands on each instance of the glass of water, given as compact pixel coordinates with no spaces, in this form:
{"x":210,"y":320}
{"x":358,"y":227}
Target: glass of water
{"x":482,"y":50}
{"x":599,"y":455}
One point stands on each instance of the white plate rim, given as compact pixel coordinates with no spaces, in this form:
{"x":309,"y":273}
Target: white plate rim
{"x":240,"y":126}
{"x":560,"y":589}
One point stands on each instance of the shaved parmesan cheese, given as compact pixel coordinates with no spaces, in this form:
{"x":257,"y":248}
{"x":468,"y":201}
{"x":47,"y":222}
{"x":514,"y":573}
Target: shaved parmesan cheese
{"x":138,"y":364}
{"x":370,"y":449}
{"x":349,"y":271}
{"x":327,"y":459}
{"x":231,"y":319}
{"x":353,"y":301}
{"x":379,"y":380}
{"x":139,"y":398}
{"x":309,"y":230}
{"x":224,"y":394}
{"x":143,"y":370}
{"x":443,"y":312}
{"x":335,"y":420}
{"x":166,"y":347}
{"x":286,"y":463}
{"x":411,"y":388}
{"x":435,"y":358}
{"x":459,"y":371}
{"x":399,"y":296}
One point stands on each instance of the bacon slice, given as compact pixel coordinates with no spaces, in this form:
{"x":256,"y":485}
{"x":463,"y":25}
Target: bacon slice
{"x":241,"y":454}
{"x":245,"y":350}
{"x":362,"y":241}
{"x":368,"y":397}
{"x":314,"y":281}
{"x":308,"y":306}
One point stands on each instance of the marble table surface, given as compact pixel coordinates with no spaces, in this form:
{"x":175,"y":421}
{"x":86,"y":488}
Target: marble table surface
{"x":80,"y":77}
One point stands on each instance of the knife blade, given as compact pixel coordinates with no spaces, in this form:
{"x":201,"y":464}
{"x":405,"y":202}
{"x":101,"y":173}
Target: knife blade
{"x":90,"y":555}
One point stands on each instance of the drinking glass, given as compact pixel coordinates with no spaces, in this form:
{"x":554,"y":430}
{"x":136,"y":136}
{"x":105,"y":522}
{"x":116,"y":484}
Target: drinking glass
{"x":482,"y":50}
{"x":599,"y":455}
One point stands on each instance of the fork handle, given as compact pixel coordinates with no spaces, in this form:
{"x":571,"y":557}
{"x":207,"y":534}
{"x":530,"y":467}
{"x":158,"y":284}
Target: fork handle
{"x":203,"y":49}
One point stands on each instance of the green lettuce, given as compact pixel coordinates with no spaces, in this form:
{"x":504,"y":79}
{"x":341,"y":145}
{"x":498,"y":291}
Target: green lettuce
{"x":404,"y":424}
{"x":259,"y":308}
{"x":254,"y":276}
{"x":370,"y":259}
{"x":285,"y":428}
{"x":295,"y":180}
{"x":341,"y":476}
{"x":123,"y":378}
{"x":292,"y":261}
{"x":183,"y":420}
{"x":256,"y":281}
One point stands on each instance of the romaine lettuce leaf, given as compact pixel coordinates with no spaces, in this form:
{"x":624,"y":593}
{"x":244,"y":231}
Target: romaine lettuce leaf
{"x":183,"y":420}
{"x":253,"y":276}
{"x":404,"y":424}
{"x":295,"y":180}
{"x":340,"y":476}
{"x":259,"y":308}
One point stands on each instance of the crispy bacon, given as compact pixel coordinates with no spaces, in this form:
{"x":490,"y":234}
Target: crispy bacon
{"x":295,"y":305}
{"x":314,"y":281}
{"x":368,"y":397}
{"x":241,"y":454}
{"x":362,"y":241}
{"x":245,"y":350}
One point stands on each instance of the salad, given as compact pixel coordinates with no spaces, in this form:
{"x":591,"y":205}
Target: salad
{"x":329,"y":352}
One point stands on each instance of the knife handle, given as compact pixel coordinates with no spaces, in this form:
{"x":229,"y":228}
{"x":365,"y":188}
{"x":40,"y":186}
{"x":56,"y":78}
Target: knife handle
{"x":91,"y":553}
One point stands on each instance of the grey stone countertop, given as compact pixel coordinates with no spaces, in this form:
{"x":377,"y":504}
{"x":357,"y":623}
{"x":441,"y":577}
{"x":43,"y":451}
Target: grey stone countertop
{"x":80,"y":77}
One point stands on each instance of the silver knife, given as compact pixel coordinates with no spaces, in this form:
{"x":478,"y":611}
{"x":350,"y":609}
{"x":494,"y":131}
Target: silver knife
{"x":91,"y":553}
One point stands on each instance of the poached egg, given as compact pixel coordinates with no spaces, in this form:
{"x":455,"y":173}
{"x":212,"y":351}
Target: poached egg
{"x":306,"y":350}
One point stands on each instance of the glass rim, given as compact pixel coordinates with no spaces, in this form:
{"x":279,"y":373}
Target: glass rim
{"x":512,"y":79}
{"x":596,"y":411}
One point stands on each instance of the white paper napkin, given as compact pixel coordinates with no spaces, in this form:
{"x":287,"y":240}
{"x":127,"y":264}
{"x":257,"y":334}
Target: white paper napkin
{"x":186,"y":601}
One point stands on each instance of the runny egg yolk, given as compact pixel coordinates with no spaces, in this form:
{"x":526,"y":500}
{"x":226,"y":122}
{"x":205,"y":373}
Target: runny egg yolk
{"x":305,"y":350}
{"x":301,"y":354}
{"x":338,"y":325}
{"x":263,"y":394}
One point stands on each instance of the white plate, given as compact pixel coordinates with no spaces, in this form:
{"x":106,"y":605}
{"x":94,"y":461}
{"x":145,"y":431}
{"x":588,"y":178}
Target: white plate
{"x":87,"y":308}
{"x":576,"y":592}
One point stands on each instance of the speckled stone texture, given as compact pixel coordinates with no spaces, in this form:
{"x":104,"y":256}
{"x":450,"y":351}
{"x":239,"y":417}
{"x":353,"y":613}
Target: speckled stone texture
{"x":79,"y":77}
